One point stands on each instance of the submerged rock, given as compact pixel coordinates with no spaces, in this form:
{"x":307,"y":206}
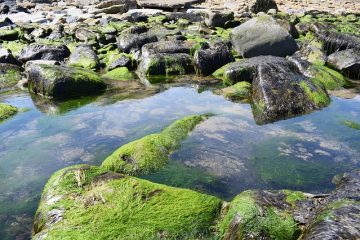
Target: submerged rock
{"x":124,"y":208}
{"x":38,"y":51}
{"x":85,"y":57}
{"x":6,"y":111}
{"x":128,"y":42}
{"x":347,"y":62}
{"x":62,"y":82}
{"x":209,"y":60}
{"x":151,"y":152}
{"x":166,"y":64}
{"x":262,"y":36}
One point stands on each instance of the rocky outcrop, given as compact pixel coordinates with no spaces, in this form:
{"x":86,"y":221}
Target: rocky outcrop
{"x":262,"y":36}
{"x":347,"y":62}
{"x":37,"y":51}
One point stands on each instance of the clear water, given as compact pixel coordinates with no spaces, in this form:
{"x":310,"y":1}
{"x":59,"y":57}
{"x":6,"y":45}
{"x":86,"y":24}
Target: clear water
{"x":224,"y":155}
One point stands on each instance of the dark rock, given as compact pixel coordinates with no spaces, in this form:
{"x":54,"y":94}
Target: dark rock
{"x":62,"y":82}
{"x":4,"y":9}
{"x":9,"y":34}
{"x":209,"y":60}
{"x":122,"y":61}
{"x":10,"y":74}
{"x":7,"y":57}
{"x":166,"y":47}
{"x":347,"y":62}
{"x":218,"y":18}
{"x":263,"y":6}
{"x":136,"y":29}
{"x":85,"y":57}
{"x":37,"y":51}
{"x":191,"y":16}
{"x":128,"y":42}
{"x":262,"y":36}
{"x":166,"y":64}
{"x":335,"y":41}
{"x":6,"y":22}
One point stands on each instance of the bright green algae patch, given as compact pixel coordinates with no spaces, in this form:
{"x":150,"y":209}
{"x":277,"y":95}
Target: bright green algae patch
{"x":237,"y":91}
{"x":121,"y":73}
{"x":319,"y":96}
{"x":7,"y":111}
{"x":92,"y":203}
{"x":351,"y":124}
{"x":151,"y":152}
{"x":331,"y":79}
{"x":254,"y":220}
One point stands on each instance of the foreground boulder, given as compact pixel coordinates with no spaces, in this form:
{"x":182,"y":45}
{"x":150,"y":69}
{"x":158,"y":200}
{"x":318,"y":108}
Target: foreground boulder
{"x":37,"y":51}
{"x":6,"y":111}
{"x":124,"y":208}
{"x":347,"y":62}
{"x":85,"y":57}
{"x":151,"y":153}
{"x":62,"y":82}
{"x":262,"y":36}
{"x":209,"y":60}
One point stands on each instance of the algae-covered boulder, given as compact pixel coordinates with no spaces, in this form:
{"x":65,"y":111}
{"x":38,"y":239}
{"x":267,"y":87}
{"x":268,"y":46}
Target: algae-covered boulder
{"x":166,"y":64}
{"x":262,"y":36}
{"x":151,"y":152}
{"x":9,"y":75}
{"x":166,"y":47}
{"x":9,"y":34}
{"x":236,"y":92}
{"x":85,"y":57}
{"x":88,"y":202}
{"x":62,"y":82}
{"x":38,"y":51}
{"x":7,"y":111}
{"x":336,"y":41}
{"x":346,"y":61}
{"x":128,"y":42}
{"x":121,"y":73}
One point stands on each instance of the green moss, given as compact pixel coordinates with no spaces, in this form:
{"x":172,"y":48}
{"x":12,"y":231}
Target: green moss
{"x":351,"y":124}
{"x":157,"y":19}
{"x":7,"y":111}
{"x":199,"y":43}
{"x":293,"y":196}
{"x":9,"y":34}
{"x":319,"y":96}
{"x":9,"y":77}
{"x":84,"y":62}
{"x":224,"y":34}
{"x":237,"y":91}
{"x":256,"y":221}
{"x":121,"y":73}
{"x":119,"y":26}
{"x":331,"y":79}
{"x":121,"y":207}
{"x":151,"y":152}
{"x":327,"y":213}
{"x":182,"y":23}
{"x":14,"y":46}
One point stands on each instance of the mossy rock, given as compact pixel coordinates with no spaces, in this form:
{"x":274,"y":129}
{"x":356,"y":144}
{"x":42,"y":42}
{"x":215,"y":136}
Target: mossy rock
{"x":9,"y":75}
{"x":6,"y":111}
{"x":14,"y":46}
{"x":236,"y":92}
{"x":121,"y":73}
{"x":88,"y":202}
{"x":257,"y":215}
{"x":151,"y":152}
{"x":331,"y":79}
{"x":9,"y":35}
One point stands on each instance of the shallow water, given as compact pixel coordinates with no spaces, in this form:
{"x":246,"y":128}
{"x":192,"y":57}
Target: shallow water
{"x":224,"y":155}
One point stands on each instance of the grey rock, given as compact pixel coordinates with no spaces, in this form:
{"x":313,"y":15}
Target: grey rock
{"x":37,"y":51}
{"x":347,"y":62}
{"x":128,"y":42}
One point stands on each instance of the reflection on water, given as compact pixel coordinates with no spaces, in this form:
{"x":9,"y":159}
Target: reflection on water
{"x":222,"y":156}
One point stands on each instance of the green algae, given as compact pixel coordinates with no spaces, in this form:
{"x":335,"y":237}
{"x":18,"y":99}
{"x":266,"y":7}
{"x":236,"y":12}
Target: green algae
{"x":237,"y":91}
{"x":9,"y":77}
{"x":294,"y":196}
{"x":121,"y":73}
{"x":327,"y":213}
{"x":112,"y":206}
{"x":351,"y":124}
{"x":319,"y":96}
{"x":14,"y":46}
{"x":151,"y":152}
{"x":331,"y":79}
{"x":6,"y":111}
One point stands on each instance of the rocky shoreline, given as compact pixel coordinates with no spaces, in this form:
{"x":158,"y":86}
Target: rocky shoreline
{"x":283,"y":63}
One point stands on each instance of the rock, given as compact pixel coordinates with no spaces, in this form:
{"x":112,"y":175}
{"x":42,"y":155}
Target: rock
{"x":151,"y":152}
{"x":36,"y":51}
{"x":136,"y":29}
{"x":120,"y":73}
{"x":128,"y":42}
{"x":62,"y":82}
{"x":85,"y":35}
{"x":9,"y":34}
{"x":335,"y":41}
{"x":121,"y":61}
{"x":166,"y":64}
{"x":6,"y":111}
{"x":347,"y":62}
{"x":140,"y":15}
{"x":236,"y":92}
{"x":209,"y":60}
{"x":166,"y":47}
{"x":85,"y":57}
{"x":6,"y":22}
{"x":263,"y":6}
{"x":218,"y":18}
{"x":141,"y":209}
{"x":279,"y":90}
{"x":168,"y":4}
{"x":9,"y":75}
{"x":7,"y":57}
{"x":262,"y":36}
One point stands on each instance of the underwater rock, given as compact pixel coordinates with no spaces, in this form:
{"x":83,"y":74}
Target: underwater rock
{"x":336,"y":41}
{"x":128,"y":42}
{"x":262,"y":36}
{"x":209,"y":60}
{"x":9,"y":75}
{"x":347,"y":62}
{"x":166,"y":64}
{"x":84,"y":56}
{"x":6,"y":111}
{"x":124,"y":208}
{"x":166,"y":47}
{"x":36,"y":51}
{"x":54,"y":81}
{"x":151,"y":152}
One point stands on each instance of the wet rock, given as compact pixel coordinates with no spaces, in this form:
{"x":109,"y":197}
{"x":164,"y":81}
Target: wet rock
{"x":9,"y":34}
{"x":128,"y":42}
{"x":347,"y":62}
{"x":10,"y":74}
{"x":85,"y":57}
{"x":262,"y":36}
{"x":166,"y":64}
{"x":7,"y":57}
{"x":54,"y":81}
{"x":121,"y":61}
{"x":335,"y":41}
{"x":236,"y":92}
{"x":218,"y":18}
{"x":263,"y":6}
{"x":166,"y":47}
{"x":209,"y":60}
{"x":37,"y":51}
{"x":85,"y":35}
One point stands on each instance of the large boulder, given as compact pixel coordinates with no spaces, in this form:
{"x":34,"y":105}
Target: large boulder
{"x":37,"y":51}
{"x":85,"y":57}
{"x":262,"y":36}
{"x":128,"y":42}
{"x":166,"y":64}
{"x":336,"y":41}
{"x":209,"y":60}
{"x":55,"y":81}
{"x":347,"y":62}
